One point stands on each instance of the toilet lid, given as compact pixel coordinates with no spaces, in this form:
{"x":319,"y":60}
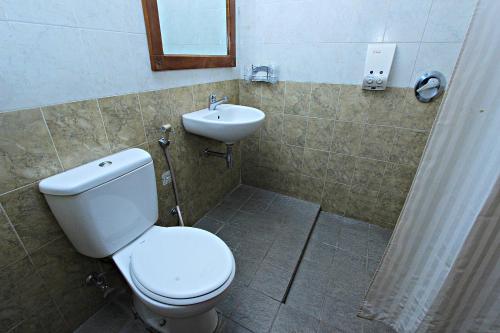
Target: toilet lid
{"x":180,"y":263}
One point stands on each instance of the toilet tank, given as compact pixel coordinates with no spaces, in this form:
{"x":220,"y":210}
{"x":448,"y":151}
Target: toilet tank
{"x":104,"y":205}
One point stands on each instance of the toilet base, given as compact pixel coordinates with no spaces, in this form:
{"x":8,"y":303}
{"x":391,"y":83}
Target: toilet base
{"x":202,"y":323}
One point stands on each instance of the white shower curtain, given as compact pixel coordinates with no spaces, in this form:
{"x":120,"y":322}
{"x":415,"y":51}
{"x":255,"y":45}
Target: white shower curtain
{"x":441,"y":271}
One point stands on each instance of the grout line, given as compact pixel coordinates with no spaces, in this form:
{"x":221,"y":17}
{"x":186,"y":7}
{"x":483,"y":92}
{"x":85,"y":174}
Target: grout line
{"x":51,"y":139}
{"x":420,"y":42}
{"x":67,"y":26}
{"x":142,"y":118}
{"x":103,"y":125}
{"x":19,"y":188}
{"x":9,"y":222}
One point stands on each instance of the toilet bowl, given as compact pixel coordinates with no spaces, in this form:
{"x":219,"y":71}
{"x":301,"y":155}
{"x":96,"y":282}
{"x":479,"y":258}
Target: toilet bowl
{"x":109,"y":207}
{"x":177,"y":276}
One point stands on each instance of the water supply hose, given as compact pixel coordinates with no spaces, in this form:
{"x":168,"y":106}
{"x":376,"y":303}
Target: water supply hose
{"x":164,"y":143}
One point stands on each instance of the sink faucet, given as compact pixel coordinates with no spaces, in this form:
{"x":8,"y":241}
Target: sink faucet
{"x":213,"y":103}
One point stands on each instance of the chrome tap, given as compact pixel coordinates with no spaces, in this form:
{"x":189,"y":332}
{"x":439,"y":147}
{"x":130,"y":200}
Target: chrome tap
{"x":213,"y":103}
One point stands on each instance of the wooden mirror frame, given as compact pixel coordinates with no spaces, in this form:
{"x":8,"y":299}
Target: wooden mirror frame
{"x":161,"y":61}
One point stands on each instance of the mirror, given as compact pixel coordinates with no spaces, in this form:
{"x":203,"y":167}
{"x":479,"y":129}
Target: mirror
{"x":193,"y":27}
{"x":190,"y":34}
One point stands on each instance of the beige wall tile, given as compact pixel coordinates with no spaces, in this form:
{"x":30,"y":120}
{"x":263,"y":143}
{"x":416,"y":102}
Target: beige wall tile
{"x":340,"y":168}
{"x":335,"y":197}
{"x":387,"y":210}
{"x":156,"y":111}
{"x":319,"y":133}
{"x":295,"y":129}
{"x":31,"y":217}
{"x":26,"y":150}
{"x":250,"y":94}
{"x":368,"y":173}
{"x":397,"y":178}
{"x":273,"y":98}
{"x":291,"y":158}
{"x":201,"y":93}
{"x":361,"y":203}
{"x":408,"y":147}
{"x":354,"y":104}
{"x":10,"y":246}
{"x":78,"y":132}
{"x":347,"y":138}
{"x":270,"y":153}
{"x":324,"y":100}
{"x":272,"y":130}
{"x":310,"y":189}
{"x":181,"y":101}
{"x":297,"y":98}
{"x":123,"y":121}
{"x":315,"y":163}
{"x":377,"y":142}
{"x":417,"y":115}
{"x":250,"y":152}
{"x":386,"y":107}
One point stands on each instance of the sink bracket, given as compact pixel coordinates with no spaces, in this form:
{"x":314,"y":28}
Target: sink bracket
{"x":228,"y":155}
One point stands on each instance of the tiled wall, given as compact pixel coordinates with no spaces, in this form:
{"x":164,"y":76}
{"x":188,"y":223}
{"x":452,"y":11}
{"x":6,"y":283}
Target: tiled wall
{"x":41,"y":275}
{"x":354,"y":151}
{"x":326,"y":40}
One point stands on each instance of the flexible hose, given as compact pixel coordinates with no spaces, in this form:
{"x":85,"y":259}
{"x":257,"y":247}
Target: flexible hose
{"x":164,"y":145}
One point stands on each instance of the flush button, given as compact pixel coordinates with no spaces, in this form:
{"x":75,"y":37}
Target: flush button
{"x":105,"y":164}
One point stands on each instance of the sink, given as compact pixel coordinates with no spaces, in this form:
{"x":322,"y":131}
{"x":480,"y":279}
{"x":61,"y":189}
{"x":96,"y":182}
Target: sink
{"x":228,"y":123}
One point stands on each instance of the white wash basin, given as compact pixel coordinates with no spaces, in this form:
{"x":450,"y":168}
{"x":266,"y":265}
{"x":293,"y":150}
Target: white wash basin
{"x":228,"y":123}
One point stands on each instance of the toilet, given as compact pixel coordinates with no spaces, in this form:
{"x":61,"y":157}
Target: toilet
{"x":108,"y":208}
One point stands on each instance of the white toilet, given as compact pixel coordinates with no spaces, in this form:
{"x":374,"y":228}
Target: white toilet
{"x":108,"y":208}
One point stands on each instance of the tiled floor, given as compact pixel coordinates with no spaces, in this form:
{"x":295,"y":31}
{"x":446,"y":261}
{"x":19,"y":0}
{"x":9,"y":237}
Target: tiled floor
{"x":340,"y":258}
{"x":267,"y":233}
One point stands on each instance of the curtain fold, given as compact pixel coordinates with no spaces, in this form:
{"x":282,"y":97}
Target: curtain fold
{"x":441,"y":271}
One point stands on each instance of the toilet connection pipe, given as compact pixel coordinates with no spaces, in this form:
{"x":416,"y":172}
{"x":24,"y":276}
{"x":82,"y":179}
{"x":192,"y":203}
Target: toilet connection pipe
{"x":164,"y":144}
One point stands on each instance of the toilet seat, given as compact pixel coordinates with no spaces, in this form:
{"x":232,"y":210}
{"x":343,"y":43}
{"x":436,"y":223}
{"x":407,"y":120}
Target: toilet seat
{"x":181,"y":265}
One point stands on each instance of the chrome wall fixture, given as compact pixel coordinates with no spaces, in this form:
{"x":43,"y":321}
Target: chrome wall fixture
{"x":267,"y":74}
{"x":429,"y":86}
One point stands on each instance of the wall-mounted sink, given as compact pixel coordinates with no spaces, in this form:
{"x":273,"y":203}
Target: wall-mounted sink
{"x":228,"y":123}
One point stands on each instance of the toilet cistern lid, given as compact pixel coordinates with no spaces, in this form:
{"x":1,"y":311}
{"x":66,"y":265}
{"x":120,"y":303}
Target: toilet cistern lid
{"x":181,"y":262}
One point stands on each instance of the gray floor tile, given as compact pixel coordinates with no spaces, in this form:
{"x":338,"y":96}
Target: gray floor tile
{"x":372,"y":326}
{"x":134,"y":326}
{"x":377,"y":242}
{"x":326,"y":232}
{"x":264,"y":195}
{"x":238,"y":197}
{"x":341,"y":314}
{"x":229,"y":326}
{"x":293,"y":207}
{"x":255,"y":205}
{"x":283,"y":255}
{"x":348,"y":273}
{"x":256,"y":311}
{"x":306,"y":299}
{"x":223,"y":212}
{"x":110,"y":318}
{"x":354,"y":241}
{"x":320,"y":253}
{"x":231,"y":300}
{"x":354,"y":224}
{"x":245,"y":270}
{"x":314,"y":275}
{"x":272,"y":281}
{"x":209,"y":224}
{"x":290,"y":320}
